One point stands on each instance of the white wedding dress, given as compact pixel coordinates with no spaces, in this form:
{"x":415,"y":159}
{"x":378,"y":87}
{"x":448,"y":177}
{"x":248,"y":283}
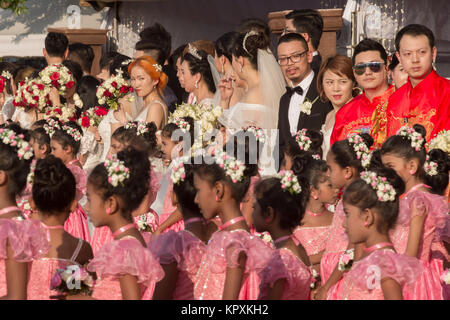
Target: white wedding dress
{"x":327,"y":130}
{"x":104,"y":129}
{"x":142,"y":116}
{"x":25,"y":120}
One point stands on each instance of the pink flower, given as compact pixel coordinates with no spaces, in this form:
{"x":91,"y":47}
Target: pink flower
{"x":346,"y":258}
{"x":55,"y":281}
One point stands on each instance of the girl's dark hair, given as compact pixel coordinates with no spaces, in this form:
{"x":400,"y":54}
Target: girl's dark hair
{"x":375,"y":161}
{"x":117,"y":63}
{"x":133,"y":190}
{"x":54,"y":186}
{"x":145,"y":143}
{"x":345,"y":155}
{"x":65,"y":140}
{"x":290,"y":207}
{"x":11,"y":68}
{"x":74,"y":68}
{"x":16,"y":169}
{"x":214,"y":173}
{"x":185,"y":191}
{"x":225,"y":44}
{"x":310,"y":171}
{"x":42,"y":138}
{"x":170,"y":128}
{"x":252,"y":44}
{"x":247,"y":140}
{"x":363,"y":196}
{"x":292,"y":148}
{"x":438,"y":182}
{"x":87,"y":90}
{"x":201,"y":66}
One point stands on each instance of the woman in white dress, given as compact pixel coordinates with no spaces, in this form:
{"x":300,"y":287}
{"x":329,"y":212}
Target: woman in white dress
{"x":335,"y":83}
{"x":255,"y":64}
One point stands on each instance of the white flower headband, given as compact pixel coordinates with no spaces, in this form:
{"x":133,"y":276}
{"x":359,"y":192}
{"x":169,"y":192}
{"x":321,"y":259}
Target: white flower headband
{"x":127,"y":62}
{"x":415,"y":137}
{"x":117,"y":171}
{"x":157,"y":67}
{"x":51,"y":126}
{"x":181,"y":123}
{"x":193,"y":50}
{"x":248,"y":34}
{"x":258,"y":132}
{"x":385,"y":191}
{"x":141,"y":127}
{"x":233,"y":167}
{"x":10,"y":137}
{"x":178,"y":173}
{"x":74,"y":133}
{"x":6,"y":74}
{"x":304,"y":142}
{"x":289,"y":182}
{"x":430,"y":167}
{"x":361,"y":149}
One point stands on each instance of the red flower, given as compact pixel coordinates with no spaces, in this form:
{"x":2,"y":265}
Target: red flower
{"x":40,"y":86}
{"x":114,"y":84}
{"x":58,"y":111}
{"x":85,"y":122}
{"x":124,"y":89}
{"x":54,"y":76}
{"x":100,"y":111}
{"x":69,"y":84}
{"x":130,"y":89}
{"x":107,"y":94}
{"x":55,"y":83}
{"x":36,"y":98}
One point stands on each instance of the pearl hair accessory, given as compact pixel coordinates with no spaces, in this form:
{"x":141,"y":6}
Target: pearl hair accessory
{"x":193,"y":50}
{"x":415,"y":137}
{"x":117,"y":171}
{"x":385,"y":191}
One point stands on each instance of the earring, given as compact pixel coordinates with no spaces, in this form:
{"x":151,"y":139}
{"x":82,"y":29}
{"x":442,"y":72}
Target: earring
{"x":315,"y":197}
{"x":366,"y":224}
{"x":223,"y":69}
{"x":108,"y":211}
{"x":217,"y":198}
{"x":196,"y":84}
{"x":433,"y":64}
{"x":411,"y":172}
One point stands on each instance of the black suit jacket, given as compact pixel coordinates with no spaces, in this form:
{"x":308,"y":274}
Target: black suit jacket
{"x":316,"y":63}
{"x":314,"y":121}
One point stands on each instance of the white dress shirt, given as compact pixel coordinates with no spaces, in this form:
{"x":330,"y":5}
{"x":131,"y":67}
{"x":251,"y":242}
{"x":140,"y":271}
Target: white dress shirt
{"x":296,"y":100}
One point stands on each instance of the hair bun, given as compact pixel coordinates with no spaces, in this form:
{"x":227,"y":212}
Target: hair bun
{"x":254,"y":42}
{"x":423,"y":132}
{"x":368,"y":140}
{"x":300,"y":163}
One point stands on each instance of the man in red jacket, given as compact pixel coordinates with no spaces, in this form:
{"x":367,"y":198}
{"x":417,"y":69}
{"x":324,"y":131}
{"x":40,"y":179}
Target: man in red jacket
{"x":425,"y":98}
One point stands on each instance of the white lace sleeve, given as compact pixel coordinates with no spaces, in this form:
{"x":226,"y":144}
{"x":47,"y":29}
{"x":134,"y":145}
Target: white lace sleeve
{"x":87,"y":142}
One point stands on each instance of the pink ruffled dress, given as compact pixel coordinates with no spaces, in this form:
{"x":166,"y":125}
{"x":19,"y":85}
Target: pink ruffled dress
{"x":336,"y":244}
{"x":363,"y":280}
{"x":121,"y":257}
{"x":313,"y":239}
{"x":187,"y":251}
{"x":27,"y":239}
{"x":42,"y":271}
{"x":168,"y":209}
{"x":76,"y":224}
{"x":285,"y":265}
{"x":428,"y":286}
{"x":223,"y":251}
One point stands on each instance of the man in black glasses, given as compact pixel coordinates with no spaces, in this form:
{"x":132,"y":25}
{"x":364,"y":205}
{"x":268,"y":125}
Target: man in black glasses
{"x":366,"y":113}
{"x":300,"y":106}
{"x":425,"y":98}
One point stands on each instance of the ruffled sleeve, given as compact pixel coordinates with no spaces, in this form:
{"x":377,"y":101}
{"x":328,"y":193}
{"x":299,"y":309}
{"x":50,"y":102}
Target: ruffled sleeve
{"x":126,"y":256}
{"x":275,"y":269}
{"x":27,"y":239}
{"x":385,"y":264}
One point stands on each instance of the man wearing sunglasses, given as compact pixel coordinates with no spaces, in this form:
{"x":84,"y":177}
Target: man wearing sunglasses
{"x":294,"y":59}
{"x":366,"y":113}
{"x":425,"y":98}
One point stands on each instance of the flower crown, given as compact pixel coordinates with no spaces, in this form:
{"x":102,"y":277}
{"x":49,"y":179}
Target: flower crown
{"x":233,"y":167}
{"x":74,"y":133}
{"x":193,"y":50}
{"x":304,"y":142}
{"x":289,"y":182}
{"x":257,"y":131}
{"x":430,"y":167}
{"x":361,"y":149}
{"x":117,"y":172}
{"x":181,"y":123}
{"x":248,"y":34}
{"x":157,"y":67}
{"x":415,"y":137}
{"x":10,"y":137}
{"x":51,"y":126}
{"x":385,"y":191}
{"x":141,"y":127}
{"x":178,"y":173}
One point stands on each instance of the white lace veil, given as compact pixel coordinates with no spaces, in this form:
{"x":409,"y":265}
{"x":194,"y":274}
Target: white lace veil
{"x":216,"y":78}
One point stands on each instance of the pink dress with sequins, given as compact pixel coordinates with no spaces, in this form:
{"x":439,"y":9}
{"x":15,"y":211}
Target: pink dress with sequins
{"x":76,"y":224}
{"x":313,"y":239}
{"x":336,"y":244}
{"x":223,"y":251}
{"x":285,"y":265}
{"x":428,"y":286}
{"x":42,"y":271}
{"x":27,"y":239}
{"x":362,"y":282}
{"x":187,"y":251}
{"x":168,"y":209}
{"x":117,"y":258}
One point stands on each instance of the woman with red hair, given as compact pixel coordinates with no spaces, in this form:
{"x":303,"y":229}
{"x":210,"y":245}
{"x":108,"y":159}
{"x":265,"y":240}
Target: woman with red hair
{"x":148,"y":81}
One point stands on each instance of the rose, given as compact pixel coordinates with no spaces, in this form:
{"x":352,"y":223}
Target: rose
{"x":55,"y":281}
{"x":86,"y":122}
{"x":123,"y":89}
{"x":54,"y":76}
{"x":69,"y":84}
{"x":346,"y":258}
{"x":100,"y":111}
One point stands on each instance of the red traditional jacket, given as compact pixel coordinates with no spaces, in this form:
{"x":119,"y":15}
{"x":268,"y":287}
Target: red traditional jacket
{"x":362,"y":116}
{"x":428,"y":104}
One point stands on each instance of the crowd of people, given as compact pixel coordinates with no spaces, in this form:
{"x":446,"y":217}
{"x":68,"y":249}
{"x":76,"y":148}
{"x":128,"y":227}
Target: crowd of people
{"x":321,"y":178}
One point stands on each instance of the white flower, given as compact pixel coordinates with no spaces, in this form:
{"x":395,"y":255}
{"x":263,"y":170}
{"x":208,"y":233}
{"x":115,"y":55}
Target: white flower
{"x":306,"y":106}
{"x":446,"y":277}
{"x":385,"y":191}
{"x":441,"y":141}
{"x":289,"y":182}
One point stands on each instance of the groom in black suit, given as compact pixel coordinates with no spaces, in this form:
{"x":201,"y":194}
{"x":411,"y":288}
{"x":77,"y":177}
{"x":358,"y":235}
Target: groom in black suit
{"x":294,"y":114}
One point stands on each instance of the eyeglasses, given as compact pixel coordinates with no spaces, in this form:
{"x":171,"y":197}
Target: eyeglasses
{"x":294,"y":58}
{"x":373,"y":66}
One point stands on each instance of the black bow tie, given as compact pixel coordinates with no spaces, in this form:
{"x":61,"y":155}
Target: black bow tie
{"x":297,"y":89}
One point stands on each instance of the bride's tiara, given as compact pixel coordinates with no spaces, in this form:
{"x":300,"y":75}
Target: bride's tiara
{"x":248,"y":34}
{"x":193,"y":50}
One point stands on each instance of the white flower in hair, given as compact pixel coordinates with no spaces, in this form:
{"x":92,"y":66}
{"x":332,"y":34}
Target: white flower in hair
{"x":78,"y":101}
{"x":117,"y":171}
{"x":51,"y":126}
{"x":304,"y":142}
{"x":257,"y":131}
{"x":415,"y":137}
{"x":178,"y":173}
{"x":430,"y":167}
{"x":127,"y":62}
{"x":385,"y":191}
{"x":193,"y":50}
{"x":361,"y":149}
{"x":10,"y":137}
{"x":74,"y":133}
{"x":158,"y":67}
{"x":140,"y":126}
{"x":6,"y":74}
{"x":233,"y":167}
{"x":289,"y":182}
{"x":181,"y":123}
{"x":441,"y":141}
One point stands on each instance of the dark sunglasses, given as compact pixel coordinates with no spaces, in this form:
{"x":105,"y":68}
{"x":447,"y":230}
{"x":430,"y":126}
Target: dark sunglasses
{"x":373,"y":66}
